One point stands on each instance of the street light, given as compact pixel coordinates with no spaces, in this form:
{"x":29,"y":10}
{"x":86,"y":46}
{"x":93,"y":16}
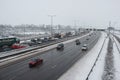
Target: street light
{"x":51,"y":16}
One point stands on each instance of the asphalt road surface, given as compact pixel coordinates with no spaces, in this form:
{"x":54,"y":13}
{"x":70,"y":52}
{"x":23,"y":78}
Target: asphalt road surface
{"x":54,"y":65}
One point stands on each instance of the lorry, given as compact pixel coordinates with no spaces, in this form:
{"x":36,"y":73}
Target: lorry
{"x":8,"y":41}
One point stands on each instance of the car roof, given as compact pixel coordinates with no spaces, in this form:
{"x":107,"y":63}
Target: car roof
{"x":85,"y":45}
{"x":61,"y":44}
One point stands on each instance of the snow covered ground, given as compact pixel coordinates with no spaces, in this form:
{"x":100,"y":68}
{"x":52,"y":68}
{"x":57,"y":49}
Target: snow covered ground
{"x":99,"y":68}
{"x":117,"y":33}
{"x":116,"y":59}
{"x":81,"y":69}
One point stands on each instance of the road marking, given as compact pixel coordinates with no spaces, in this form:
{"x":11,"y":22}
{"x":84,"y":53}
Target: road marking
{"x":54,"y":66}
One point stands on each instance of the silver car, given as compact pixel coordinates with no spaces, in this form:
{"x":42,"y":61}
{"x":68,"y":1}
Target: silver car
{"x":84,"y":47}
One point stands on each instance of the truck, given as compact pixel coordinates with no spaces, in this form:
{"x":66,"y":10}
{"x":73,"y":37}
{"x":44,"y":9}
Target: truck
{"x":7,"y":42}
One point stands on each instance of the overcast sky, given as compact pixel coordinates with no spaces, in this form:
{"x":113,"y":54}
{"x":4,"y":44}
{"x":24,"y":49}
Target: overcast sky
{"x":96,"y":13}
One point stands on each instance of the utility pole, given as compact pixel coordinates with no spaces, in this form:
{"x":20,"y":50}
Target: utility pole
{"x":109,"y":27}
{"x":51,"y":29}
{"x":110,"y":24}
{"x":24,"y":32}
{"x":76,"y":26}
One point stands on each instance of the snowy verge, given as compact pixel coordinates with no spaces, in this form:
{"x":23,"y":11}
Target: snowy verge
{"x":118,"y":34}
{"x":117,"y":43}
{"x":82,"y":67}
{"x":99,"y":68}
{"x":116,"y":60}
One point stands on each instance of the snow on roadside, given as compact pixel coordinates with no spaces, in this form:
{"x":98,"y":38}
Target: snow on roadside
{"x":116,"y":60}
{"x":118,"y":44}
{"x":117,"y":32}
{"x":109,"y":69}
{"x":81,"y":68}
{"x":99,"y":68}
{"x":118,"y":35}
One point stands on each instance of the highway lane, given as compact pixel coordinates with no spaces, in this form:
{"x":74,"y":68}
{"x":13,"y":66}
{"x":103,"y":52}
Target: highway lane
{"x":55,"y":63}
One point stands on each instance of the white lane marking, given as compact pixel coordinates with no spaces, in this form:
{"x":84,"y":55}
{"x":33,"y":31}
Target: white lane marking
{"x":53,"y":66}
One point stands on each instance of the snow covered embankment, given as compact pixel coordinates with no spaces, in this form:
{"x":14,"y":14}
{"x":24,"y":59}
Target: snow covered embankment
{"x":116,"y":46}
{"x":109,"y":69}
{"x":81,"y":69}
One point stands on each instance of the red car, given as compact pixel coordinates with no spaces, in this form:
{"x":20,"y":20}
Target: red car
{"x":17,"y":46}
{"x":35,"y":62}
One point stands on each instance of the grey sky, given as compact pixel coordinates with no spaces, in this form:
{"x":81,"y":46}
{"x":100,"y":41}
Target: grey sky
{"x":86,"y":12}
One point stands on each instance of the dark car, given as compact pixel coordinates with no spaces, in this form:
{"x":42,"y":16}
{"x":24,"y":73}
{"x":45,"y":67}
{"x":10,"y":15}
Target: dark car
{"x":31,"y":43}
{"x":35,"y":62}
{"x":87,"y":39}
{"x":60,"y":46}
{"x":77,"y":42}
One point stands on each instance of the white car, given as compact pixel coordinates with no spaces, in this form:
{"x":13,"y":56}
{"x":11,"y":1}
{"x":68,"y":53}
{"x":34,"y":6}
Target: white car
{"x":84,"y":47}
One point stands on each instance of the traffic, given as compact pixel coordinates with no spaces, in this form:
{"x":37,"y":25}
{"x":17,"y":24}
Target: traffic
{"x":45,"y":62}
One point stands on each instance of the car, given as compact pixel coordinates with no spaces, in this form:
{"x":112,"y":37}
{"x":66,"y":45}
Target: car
{"x":44,"y":39}
{"x":87,"y":39}
{"x":35,"y":62}
{"x":90,"y":34}
{"x":77,"y":42}
{"x":17,"y":46}
{"x":32,"y":43}
{"x":36,"y":41}
{"x":60,"y":46}
{"x":84,"y":47}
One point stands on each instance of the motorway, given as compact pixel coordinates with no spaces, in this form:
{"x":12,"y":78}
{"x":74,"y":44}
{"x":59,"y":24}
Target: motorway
{"x":54,"y":65}
{"x":36,"y":46}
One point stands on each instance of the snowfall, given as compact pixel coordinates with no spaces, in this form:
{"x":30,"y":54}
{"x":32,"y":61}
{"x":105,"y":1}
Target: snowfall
{"x":81,"y":69}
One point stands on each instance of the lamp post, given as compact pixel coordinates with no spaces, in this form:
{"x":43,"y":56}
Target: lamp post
{"x":51,"y":29}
